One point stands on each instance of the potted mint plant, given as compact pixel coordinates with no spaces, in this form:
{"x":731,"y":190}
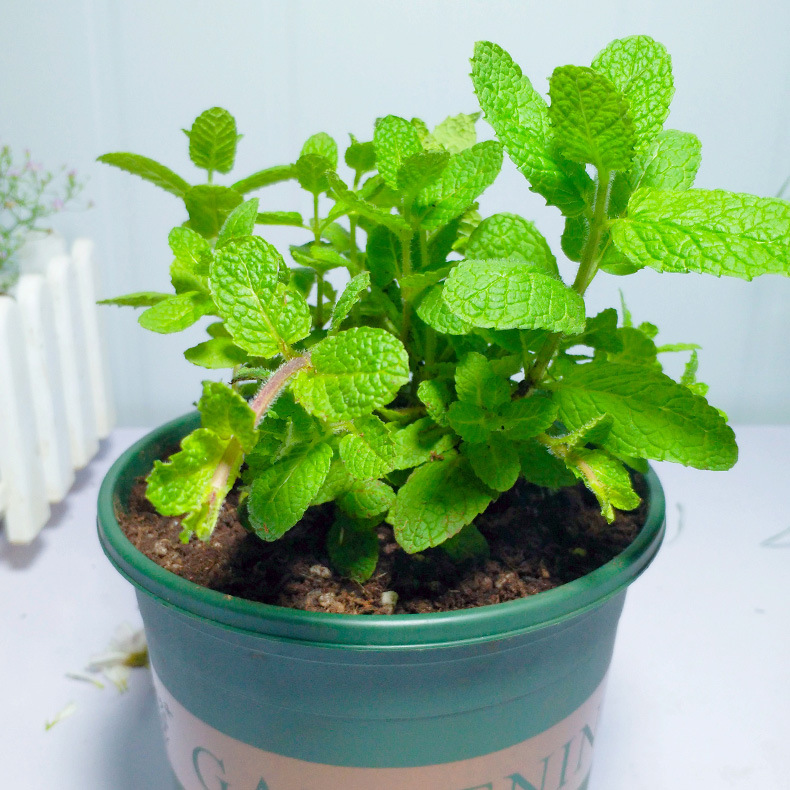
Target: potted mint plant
{"x":454,"y":377}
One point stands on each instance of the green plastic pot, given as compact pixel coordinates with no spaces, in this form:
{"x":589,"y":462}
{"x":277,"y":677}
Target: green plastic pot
{"x":259,"y":697}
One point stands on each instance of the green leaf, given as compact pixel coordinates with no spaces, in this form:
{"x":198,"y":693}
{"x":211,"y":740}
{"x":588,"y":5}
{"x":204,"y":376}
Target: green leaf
{"x":468,"y":544}
{"x":350,"y":296}
{"x":139,"y":299}
{"x":420,"y":170}
{"x":432,"y":309}
{"x":653,"y":416}
{"x":635,"y":348}
{"x":352,"y":373}
{"x":507,"y":295}
{"x":361,"y":157}
{"x":542,"y":468}
{"x":600,"y":332}
{"x":212,"y":140}
{"x":353,"y":549}
{"x":466,"y":176}
{"x":190,"y":249}
{"x":435,"y":394}
{"x":711,"y":232}
{"x":176,"y":313}
{"x":291,"y":218}
{"x":263,"y":178}
{"x":190,"y":481}
{"x":476,"y":382}
{"x":595,"y":431}
{"x":394,"y":140}
{"x":321,"y":144}
{"x":148,"y":170}
{"x":367,"y":499}
{"x":216,"y":354}
{"x":436,"y":502}
{"x":227,"y":414}
{"x":508,"y":236}
{"x":470,"y":421}
{"x":590,"y":119}
{"x":352,"y":202}
{"x":280,"y":495}
{"x":260,"y":314}
{"x":312,"y":172}
{"x":419,"y":442}
{"x":496,"y":462}
{"x":641,"y":69}
{"x":368,"y":451}
{"x":521,"y":419}
{"x":383,"y":251}
{"x":520,"y":119}
{"x":240,"y":222}
{"x":606,"y":477}
{"x":457,"y":132}
{"x":208,"y":206}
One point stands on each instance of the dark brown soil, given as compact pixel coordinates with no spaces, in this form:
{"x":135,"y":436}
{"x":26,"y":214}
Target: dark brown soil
{"x":538,"y":540}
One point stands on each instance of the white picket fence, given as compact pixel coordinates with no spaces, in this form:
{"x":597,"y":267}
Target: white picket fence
{"x":55,"y":397}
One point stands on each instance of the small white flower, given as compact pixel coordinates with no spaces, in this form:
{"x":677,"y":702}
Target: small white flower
{"x":69,"y":710}
{"x":127,"y":649}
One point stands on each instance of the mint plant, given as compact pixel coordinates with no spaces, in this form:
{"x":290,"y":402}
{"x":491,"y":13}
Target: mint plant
{"x":456,"y":361}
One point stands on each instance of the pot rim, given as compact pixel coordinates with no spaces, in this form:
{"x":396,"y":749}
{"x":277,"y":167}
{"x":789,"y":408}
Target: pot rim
{"x":353,"y":631}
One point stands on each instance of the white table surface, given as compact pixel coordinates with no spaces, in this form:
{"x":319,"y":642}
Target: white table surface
{"x":699,"y":689}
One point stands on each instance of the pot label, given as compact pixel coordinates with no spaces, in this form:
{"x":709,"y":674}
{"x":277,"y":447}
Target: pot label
{"x":205,"y":759}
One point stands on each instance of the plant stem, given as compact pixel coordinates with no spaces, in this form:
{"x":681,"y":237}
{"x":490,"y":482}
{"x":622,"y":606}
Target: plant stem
{"x":275,"y":383}
{"x":319,"y":307}
{"x":588,"y":267}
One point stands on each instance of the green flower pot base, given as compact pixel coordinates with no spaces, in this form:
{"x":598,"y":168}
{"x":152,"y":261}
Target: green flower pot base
{"x":256,"y":697}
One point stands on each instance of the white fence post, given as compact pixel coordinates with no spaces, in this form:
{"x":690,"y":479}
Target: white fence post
{"x":55,"y":397}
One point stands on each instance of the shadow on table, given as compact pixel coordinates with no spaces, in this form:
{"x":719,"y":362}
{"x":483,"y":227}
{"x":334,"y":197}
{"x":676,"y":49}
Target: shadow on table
{"x":132,"y":751}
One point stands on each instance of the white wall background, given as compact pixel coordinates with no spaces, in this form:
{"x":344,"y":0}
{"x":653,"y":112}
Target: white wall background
{"x":84,"y":77}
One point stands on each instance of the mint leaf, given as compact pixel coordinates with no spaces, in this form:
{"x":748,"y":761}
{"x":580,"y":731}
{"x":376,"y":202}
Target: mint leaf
{"x":352,"y":373}
{"x":350,"y":296}
{"x":368,"y":451}
{"x":436,"y":502}
{"x":191,"y":250}
{"x":606,"y":477}
{"x":367,"y":499}
{"x":337,"y":482}
{"x":383,"y":251}
{"x":176,"y":313}
{"x":466,"y":176}
{"x":394,"y":140}
{"x":421,"y":169}
{"x":506,"y":295}
{"x":470,"y":421}
{"x":432,"y":309}
{"x":457,"y":132}
{"x":526,"y":417}
{"x":436,"y":396}
{"x":240,"y":222}
{"x":227,"y":414}
{"x":641,"y":69}
{"x":195,"y":481}
{"x":292,"y":218}
{"x":468,"y":544}
{"x":263,"y":317}
{"x":419,"y":442}
{"x":321,"y":144}
{"x":653,"y":416}
{"x":542,"y":468}
{"x":139,"y":299}
{"x":263,"y":178}
{"x":148,"y":170}
{"x":711,"y":232}
{"x":353,"y":549}
{"x":312,"y":172}
{"x":520,"y":118}
{"x":215,"y":354}
{"x":360,"y":157}
{"x":281,"y":493}
{"x":476,"y":382}
{"x":212,"y":140}
{"x":350,"y":201}
{"x":496,"y":463}
{"x":508,"y":236}
{"x":208,"y":206}
{"x":590,"y":119}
